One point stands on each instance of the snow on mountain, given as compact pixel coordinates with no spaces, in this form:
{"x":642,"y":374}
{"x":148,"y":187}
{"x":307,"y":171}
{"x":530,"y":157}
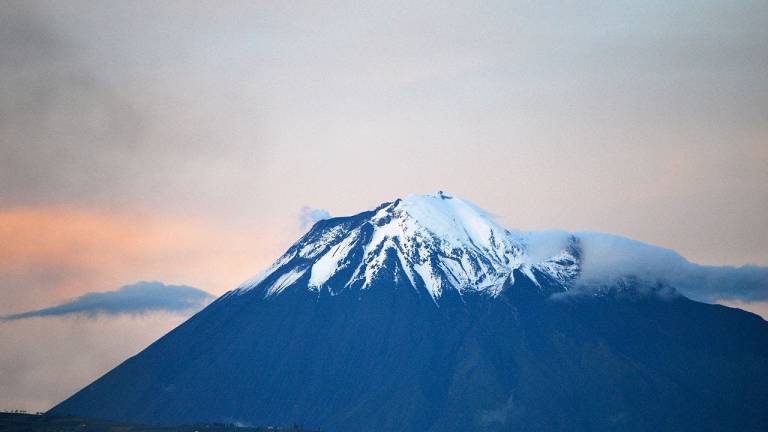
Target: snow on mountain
{"x":440,"y":242}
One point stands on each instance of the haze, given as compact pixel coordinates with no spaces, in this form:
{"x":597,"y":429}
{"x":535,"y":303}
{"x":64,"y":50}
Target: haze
{"x":188,"y":143}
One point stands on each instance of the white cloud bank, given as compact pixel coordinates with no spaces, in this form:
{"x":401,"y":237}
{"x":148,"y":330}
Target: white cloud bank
{"x":608,"y":257}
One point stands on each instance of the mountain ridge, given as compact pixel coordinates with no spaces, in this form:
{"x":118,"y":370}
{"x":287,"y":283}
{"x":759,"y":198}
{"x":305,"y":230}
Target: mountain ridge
{"x":532,"y":351}
{"x":440,"y":242}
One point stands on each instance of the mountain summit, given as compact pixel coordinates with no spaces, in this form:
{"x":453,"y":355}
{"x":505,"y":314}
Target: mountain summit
{"x":424,"y":314}
{"x":431,"y":243}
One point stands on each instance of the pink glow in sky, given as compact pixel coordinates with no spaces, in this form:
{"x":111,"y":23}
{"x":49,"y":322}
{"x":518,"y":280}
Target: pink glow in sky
{"x":180,"y":142}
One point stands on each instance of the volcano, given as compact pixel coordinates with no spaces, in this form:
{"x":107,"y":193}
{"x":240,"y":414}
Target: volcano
{"x":424,"y":314}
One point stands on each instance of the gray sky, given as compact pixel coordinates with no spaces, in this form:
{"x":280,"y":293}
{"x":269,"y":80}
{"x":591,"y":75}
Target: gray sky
{"x":647,"y":120}
{"x":180,"y":141}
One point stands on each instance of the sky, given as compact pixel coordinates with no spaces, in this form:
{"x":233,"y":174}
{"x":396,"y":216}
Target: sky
{"x":192,"y":143}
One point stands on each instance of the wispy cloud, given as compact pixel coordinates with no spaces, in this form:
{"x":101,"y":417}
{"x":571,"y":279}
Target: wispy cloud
{"x":308,"y":216}
{"x":138,"y":298}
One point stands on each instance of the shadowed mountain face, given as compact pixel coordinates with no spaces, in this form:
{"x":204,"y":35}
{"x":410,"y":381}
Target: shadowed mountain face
{"x":424,"y":315}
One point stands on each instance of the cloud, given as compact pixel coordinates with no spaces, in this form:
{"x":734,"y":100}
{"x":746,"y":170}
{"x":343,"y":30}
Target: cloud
{"x":133,"y":137}
{"x":138,"y":298}
{"x":608,"y":258}
{"x":51,"y":152}
{"x":308,"y":216}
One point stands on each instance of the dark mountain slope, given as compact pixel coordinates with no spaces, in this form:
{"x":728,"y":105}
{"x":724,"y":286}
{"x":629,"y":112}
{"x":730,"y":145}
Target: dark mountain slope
{"x":391,"y":361}
{"x":378,"y":346}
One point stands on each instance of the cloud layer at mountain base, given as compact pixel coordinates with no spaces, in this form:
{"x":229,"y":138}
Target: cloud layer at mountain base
{"x":135,"y":299}
{"x":607,"y":257}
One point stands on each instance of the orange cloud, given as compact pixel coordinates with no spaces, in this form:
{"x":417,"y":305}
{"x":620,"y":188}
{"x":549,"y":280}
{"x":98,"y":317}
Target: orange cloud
{"x":62,"y":252}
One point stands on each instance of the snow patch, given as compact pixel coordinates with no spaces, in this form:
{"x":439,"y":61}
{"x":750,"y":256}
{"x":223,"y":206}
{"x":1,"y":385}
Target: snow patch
{"x":285,"y":280}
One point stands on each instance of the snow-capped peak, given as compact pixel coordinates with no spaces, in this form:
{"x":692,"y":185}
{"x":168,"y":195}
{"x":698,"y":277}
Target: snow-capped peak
{"x":436,"y":242}
{"x":451,"y":219}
